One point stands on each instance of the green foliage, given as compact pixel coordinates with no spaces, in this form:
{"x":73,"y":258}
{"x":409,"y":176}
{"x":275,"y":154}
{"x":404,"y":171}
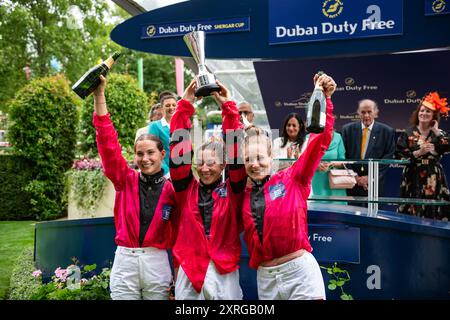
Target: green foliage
{"x":22,"y":284}
{"x":15,"y":174}
{"x":47,"y":199}
{"x":128,"y":106}
{"x":36,"y":32}
{"x":215,"y":118}
{"x":201,"y":116}
{"x":208,"y":104}
{"x":159,"y":71}
{"x":65,"y":286}
{"x":15,"y":237}
{"x":12,"y":52}
{"x":43,"y":119}
{"x":3,"y":121}
{"x":87,"y":187}
{"x":338,"y":279}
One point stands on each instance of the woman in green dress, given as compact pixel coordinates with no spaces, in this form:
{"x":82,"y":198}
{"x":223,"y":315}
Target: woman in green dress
{"x":320,"y":184}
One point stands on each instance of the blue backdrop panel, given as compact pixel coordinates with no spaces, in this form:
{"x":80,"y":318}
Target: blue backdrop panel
{"x":88,"y":240}
{"x":418,"y":30}
{"x":412,"y":254}
{"x":396,"y":82}
{"x":406,"y":250}
{"x":331,"y":20}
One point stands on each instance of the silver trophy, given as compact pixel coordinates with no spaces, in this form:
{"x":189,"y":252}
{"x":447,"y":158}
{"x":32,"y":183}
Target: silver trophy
{"x":206,"y":81}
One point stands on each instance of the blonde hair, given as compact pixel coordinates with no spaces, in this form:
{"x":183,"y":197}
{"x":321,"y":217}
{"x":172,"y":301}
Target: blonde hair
{"x":254,"y":132}
{"x":216,"y":145}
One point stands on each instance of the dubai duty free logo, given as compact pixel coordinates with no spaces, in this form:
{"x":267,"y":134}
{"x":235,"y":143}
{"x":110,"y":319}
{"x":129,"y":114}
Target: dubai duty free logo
{"x":349,"y":81}
{"x":411,"y":94}
{"x":151,"y":30}
{"x":438,"y":6}
{"x":332,"y":8}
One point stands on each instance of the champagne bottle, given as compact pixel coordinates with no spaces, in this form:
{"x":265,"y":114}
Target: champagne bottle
{"x":316,"y":112}
{"x":91,"y":79}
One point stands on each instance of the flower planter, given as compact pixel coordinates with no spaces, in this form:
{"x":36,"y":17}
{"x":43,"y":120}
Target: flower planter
{"x":105,"y":207}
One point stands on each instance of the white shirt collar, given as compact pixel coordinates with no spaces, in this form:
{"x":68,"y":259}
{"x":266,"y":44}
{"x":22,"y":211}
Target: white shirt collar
{"x":370,"y":127}
{"x":164,"y":122}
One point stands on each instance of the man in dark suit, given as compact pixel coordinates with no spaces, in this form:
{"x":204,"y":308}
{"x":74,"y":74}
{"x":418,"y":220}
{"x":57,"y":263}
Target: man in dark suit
{"x":368,"y":139}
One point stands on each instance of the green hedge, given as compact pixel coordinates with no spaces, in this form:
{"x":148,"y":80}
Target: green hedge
{"x":22,"y":284}
{"x":15,"y":174}
{"x":43,"y":120}
{"x":128,"y":106}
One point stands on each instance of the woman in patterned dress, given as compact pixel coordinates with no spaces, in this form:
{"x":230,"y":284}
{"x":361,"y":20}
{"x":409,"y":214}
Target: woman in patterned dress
{"x":424,"y":144}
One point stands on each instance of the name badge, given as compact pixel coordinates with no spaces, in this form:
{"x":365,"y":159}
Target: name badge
{"x":222,"y":192}
{"x":277,"y":191}
{"x":166,"y":211}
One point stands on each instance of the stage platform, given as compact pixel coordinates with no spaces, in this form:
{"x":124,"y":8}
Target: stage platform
{"x":390,"y":256}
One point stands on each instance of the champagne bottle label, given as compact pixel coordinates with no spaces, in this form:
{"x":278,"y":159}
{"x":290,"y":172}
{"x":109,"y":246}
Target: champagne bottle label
{"x":316,"y":116}
{"x":91,"y":79}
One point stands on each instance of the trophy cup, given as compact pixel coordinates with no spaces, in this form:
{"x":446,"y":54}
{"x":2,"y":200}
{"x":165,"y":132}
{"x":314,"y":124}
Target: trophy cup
{"x":206,"y":81}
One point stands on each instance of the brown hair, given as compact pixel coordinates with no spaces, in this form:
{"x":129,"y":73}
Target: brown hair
{"x":253,"y":131}
{"x":166,"y":95}
{"x":151,"y":137}
{"x":414,"y":120}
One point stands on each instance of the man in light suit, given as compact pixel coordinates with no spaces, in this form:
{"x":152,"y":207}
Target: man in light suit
{"x":367,"y":139}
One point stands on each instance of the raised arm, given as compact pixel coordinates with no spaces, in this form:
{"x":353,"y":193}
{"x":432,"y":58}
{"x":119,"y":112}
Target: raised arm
{"x":180,"y":160}
{"x":233,"y":134}
{"x":230,"y":113}
{"x":304,"y":168}
{"x":114,"y":164}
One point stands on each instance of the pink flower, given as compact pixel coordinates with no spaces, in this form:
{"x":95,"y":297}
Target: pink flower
{"x":87,"y":164}
{"x":37,"y":273}
{"x":61,"y":274}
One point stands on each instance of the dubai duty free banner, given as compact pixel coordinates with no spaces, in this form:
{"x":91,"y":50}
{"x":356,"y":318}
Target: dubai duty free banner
{"x":320,"y":20}
{"x":397,"y":82}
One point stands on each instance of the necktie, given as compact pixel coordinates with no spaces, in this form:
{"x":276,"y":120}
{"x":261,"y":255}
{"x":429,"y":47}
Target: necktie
{"x":363,"y":141}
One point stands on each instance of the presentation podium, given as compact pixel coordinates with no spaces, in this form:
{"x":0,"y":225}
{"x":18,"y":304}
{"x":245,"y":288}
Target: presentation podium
{"x":373,"y":199}
{"x":387,"y":255}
